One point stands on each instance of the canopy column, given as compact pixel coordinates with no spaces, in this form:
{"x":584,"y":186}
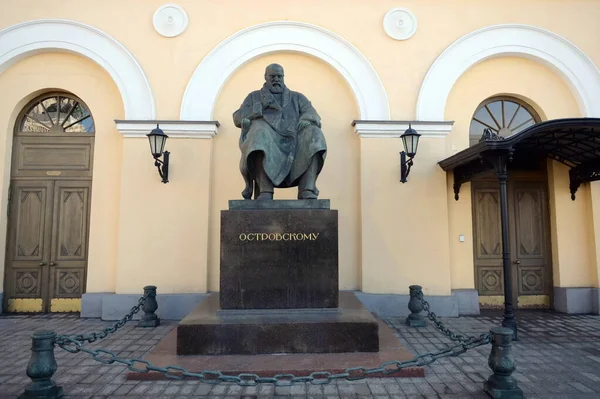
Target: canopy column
{"x":500,"y":160}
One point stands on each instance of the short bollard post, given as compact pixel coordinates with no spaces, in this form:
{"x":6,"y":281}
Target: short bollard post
{"x":149,"y":319}
{"x":42,"y":367}
{"x":501,"y":384}
{"x":415,"y":305}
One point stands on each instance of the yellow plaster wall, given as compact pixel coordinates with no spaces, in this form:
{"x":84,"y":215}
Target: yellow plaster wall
{"x":573,"y":249}
{"x":163,"y":227}
{"x":339,"y":181}
{"x":551,"y":97}
{"x":594,"y":231}
{"x":75,"y":74}
{"x":162,"y":234}
{"x":460,"y":222}
{"x":405,"y":239}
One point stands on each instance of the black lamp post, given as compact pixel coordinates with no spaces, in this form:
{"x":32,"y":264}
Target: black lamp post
{"x":410,"y":140}
{"x":158,"y":139}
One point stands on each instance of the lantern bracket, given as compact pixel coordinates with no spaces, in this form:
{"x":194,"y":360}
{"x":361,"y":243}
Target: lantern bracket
{"x":405,"y":165}
{"x":163,"y":166}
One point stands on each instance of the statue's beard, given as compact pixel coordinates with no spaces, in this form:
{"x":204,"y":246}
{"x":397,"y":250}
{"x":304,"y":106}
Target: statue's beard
{"x":276,"y":89}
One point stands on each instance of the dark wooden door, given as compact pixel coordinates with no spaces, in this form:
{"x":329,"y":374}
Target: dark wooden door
{"x":47,"y":243}
{"x":28,"y":245}
{"x":531,"y":267}
{"x":487,"y":242}
{"x":68,"y":254}
{"x":530,"y":244}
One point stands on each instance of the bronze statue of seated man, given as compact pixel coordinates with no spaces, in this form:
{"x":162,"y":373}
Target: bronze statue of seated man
{"x":281,"y":141}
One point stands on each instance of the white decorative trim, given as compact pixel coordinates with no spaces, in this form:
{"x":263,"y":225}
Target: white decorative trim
{"x":170,"y":20}
{"x":214,"y":70}
{"x":577,"y":69}
{"x":393,"y":129}
{"x":44,"y":35}
{"x":173,"y":129}
{"x":400,"y":23}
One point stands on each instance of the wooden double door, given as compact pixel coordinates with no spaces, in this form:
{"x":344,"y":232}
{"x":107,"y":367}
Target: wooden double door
{"x":530,"y":248}
{"x":48,"y":220}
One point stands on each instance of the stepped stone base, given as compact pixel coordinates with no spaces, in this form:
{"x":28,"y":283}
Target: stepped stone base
{"x":268,"y":365}
{"x":209,"y":330}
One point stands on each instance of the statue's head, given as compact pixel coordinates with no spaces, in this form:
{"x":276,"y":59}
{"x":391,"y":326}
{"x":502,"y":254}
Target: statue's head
{"x":274,"y":78}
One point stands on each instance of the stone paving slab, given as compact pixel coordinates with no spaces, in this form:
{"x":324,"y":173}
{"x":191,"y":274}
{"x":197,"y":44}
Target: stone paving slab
{"x":558,"y":357}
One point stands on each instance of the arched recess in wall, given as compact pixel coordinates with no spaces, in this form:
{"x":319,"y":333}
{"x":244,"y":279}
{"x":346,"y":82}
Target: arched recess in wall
{"x":214,"y":70}
{"x":46,"y":35}
{"x":562,"y":56}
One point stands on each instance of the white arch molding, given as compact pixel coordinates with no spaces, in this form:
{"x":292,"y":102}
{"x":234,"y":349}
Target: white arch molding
{"x":214,"y":70}
{"x":47,"y":35}
{"x":541,"y":45}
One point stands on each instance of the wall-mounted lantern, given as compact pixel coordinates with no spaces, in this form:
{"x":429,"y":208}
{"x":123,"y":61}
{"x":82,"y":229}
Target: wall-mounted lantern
{"x":410,"y":140}
{"x":158,"y":139}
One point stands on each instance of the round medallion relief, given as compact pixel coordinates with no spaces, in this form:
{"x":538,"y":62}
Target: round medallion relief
{"x":491,"y":280}
{"x":170,"y":20}
{"x":400,"y":23}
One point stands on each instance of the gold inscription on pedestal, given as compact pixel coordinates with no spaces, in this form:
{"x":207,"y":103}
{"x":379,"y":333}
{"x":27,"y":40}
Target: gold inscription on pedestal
{"x":279,"y":236}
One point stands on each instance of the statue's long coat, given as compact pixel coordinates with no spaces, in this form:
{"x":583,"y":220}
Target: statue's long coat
{"x":288,"y":153}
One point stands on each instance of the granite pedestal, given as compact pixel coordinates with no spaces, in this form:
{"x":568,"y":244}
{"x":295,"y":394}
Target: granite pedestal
{"x":279,"y":258}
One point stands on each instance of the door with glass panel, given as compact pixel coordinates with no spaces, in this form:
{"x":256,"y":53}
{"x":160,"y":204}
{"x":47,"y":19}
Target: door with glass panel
{"x":530,"y":249}
{"x":49,"y":202}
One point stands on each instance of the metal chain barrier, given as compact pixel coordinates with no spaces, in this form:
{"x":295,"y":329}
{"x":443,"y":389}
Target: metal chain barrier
{"x":63,"y":340}
{"x":42,"y":364}
{"x":245,"y":379}
{"x":75,"y":344}
{"x":438,"y":323}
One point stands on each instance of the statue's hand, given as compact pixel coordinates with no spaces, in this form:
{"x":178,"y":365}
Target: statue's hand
{"x":266,"y":102}
{"x":303,"y":124}
{"x":246,"y":123}
{"x":269,"y":102}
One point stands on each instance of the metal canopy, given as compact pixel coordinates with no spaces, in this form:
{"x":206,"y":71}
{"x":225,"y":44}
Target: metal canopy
{"x":574,"y":142}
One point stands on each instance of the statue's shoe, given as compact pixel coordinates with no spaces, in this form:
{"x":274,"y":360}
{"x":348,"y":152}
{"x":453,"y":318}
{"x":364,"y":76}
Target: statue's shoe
{"x":307,"y":194}
{"x":265,"y":196}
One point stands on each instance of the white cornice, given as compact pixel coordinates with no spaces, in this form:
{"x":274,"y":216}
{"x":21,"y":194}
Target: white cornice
{"x":393,"y":129}
{"x":173,"y":129}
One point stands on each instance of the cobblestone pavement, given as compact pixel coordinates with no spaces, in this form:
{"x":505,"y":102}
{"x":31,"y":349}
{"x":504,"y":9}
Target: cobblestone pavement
{"x":558,"y":356}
